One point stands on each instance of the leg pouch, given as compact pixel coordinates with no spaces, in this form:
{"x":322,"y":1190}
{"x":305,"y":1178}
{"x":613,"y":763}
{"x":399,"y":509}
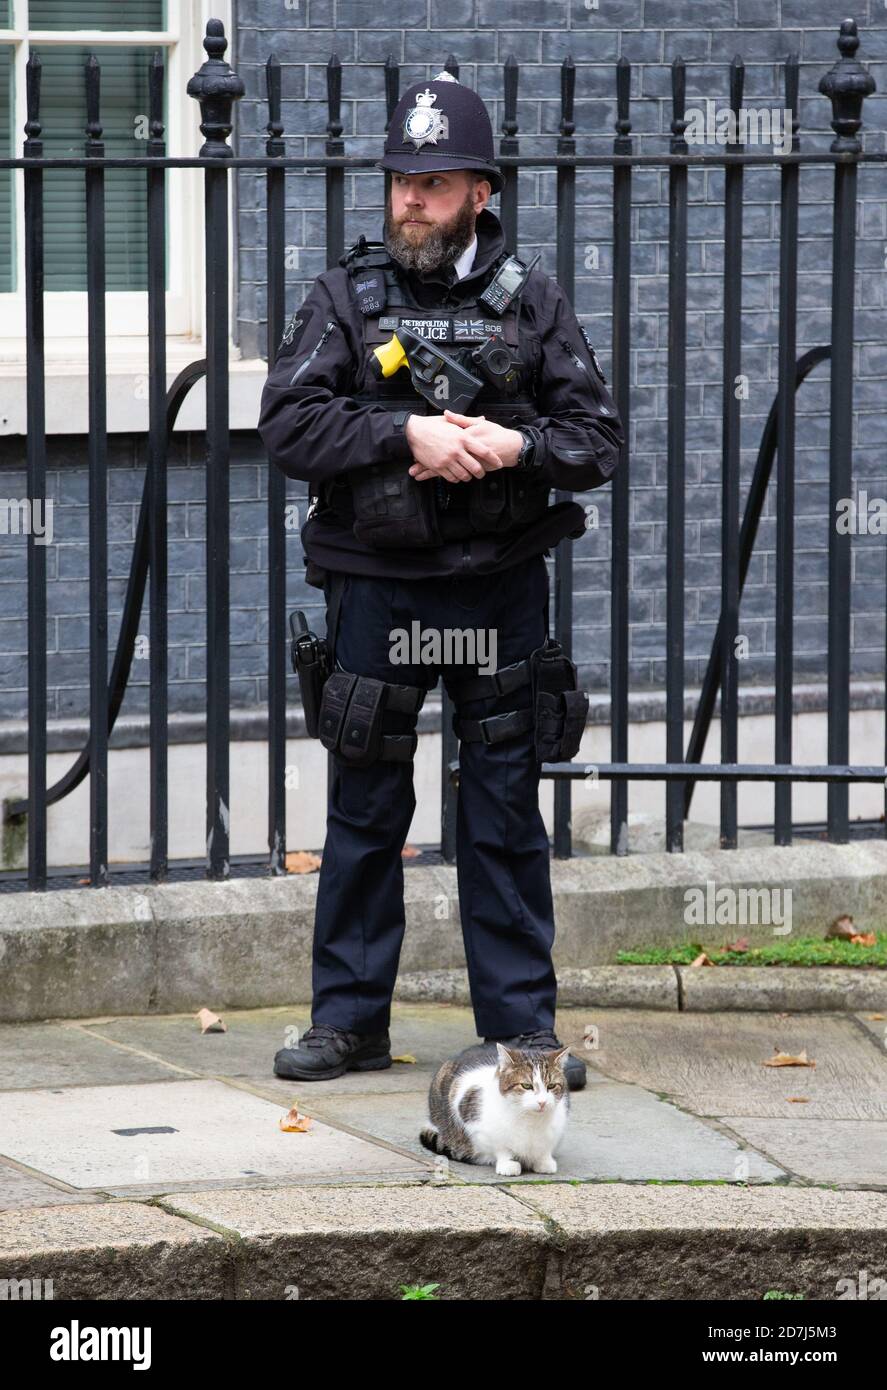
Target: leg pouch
{"x":351,"y":718}
{"x":561,"y":710}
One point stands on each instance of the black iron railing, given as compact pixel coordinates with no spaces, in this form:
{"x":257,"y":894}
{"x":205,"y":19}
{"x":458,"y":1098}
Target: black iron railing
{"x":216,"y":87}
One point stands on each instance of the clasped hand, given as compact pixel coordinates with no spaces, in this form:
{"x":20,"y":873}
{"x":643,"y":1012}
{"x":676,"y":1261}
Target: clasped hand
{"x":459,"y":447}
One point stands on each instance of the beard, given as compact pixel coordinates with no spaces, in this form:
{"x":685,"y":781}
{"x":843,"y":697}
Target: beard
{"x":441,"y":245}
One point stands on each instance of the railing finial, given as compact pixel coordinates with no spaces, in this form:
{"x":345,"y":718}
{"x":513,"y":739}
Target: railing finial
{"x":33,"y":127}
{"x":678,"y":105}
{"x":334,"y":126}
{"x":622,"y":143}
{"x":511,"y":72}
{"x":216,"y":87}
{"x":274,"y":127}
{"x":568,"y":91}
{"x":93,"y":75}
{"x":847,"y":85}
{"x":156,"y":75}
{"x":392,"y":88}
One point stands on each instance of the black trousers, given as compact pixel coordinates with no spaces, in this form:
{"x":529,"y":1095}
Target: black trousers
{"x":503,"y":872}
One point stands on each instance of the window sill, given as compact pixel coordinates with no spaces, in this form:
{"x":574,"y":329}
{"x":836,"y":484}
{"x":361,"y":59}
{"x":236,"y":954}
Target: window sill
{"x":127,"y":377}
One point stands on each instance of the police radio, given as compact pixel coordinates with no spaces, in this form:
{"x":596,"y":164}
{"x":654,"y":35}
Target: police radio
{"x":507,"y":284}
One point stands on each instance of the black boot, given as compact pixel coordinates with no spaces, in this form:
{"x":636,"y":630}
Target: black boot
{"x":545,"y":1040}
{"x":325,"y":1052}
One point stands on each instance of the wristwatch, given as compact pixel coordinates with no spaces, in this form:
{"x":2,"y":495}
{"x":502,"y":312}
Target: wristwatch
{"x":527,"y":458}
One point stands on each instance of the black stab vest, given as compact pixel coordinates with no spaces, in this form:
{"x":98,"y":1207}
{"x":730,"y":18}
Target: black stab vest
{"x":386,"y":507}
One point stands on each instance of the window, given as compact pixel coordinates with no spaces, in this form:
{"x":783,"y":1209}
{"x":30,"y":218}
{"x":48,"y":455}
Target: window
{"x":124,"y":35}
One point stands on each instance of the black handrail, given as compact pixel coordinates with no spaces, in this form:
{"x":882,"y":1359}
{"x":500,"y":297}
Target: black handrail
{"x":747,"y":534}
{"x":132,"y":607}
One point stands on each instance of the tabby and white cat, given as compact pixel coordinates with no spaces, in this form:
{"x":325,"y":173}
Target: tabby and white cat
{"x":499,"y":1105}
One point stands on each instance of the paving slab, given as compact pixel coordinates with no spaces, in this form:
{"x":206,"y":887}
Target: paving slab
{"x":712,"y":1064}
{"x":41,"y":1054}
{"x":359,"y":1243}
{"x":201,"y":1130}
{"x":19,"y":1189}
{"x":843,"y":1151}
{"x":637,"y":1241}
{"x":428,"y":1032}
{"x":115,"y":1250}
{"x":875,"y":1023}
{"x":614,"y":1131}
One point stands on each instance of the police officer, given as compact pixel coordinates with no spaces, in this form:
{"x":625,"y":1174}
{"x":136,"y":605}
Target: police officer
{"x":432,"y":390}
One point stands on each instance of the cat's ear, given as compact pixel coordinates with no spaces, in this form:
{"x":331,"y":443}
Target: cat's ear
{"x":557,"y":1058}
{"x":506,"y":1058}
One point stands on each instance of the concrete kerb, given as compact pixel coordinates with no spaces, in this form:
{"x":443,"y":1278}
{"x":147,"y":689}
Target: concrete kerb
{"x":545,"y":1240}
{"x":246,"y":943}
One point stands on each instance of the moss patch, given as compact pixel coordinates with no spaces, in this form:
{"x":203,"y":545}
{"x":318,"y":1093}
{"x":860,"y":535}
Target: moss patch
{"x":806,"y":950}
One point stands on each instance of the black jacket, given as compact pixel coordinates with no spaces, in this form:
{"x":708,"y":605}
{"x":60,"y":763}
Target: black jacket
{"x":314,"y":431}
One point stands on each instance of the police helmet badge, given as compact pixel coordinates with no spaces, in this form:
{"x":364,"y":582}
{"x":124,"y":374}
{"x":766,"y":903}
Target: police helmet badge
{"x":423,"y":125}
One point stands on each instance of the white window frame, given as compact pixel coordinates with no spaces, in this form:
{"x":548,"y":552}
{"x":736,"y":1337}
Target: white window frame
{"x":65,"y":312}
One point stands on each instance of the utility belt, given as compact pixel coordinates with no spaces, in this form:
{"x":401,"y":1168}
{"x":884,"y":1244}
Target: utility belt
{"x":347,"y":711}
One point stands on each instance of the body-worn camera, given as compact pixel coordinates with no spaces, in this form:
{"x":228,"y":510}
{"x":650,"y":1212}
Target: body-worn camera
{"x":499,"y":364}
{"x":310,"y":657}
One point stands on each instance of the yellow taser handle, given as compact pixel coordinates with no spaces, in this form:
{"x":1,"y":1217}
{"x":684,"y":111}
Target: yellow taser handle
{"x":390,"y":356}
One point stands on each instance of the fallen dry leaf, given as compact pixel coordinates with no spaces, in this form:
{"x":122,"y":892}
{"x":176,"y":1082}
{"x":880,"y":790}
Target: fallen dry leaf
{"x":876,"y":1018}
{"x":842,"y":927}
{"x":799,"y":1100}
{"x":294,"y":1123}
{"x":404,"y":1057}
{"x":210,"y":1022}
{"x":702,"y":959}
{"x":785,"y":1059}
{"x":410,"y":852}
{"x":301,"y":861}
{"x":864,"y":939}
{"x":738,"y":946}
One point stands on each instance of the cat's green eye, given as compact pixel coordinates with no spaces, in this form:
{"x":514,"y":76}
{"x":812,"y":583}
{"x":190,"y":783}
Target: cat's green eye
{"x":527,"y":1085}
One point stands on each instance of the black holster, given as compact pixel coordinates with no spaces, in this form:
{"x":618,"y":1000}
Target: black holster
{"x":310,"y":659}
{"x":561,"y":709}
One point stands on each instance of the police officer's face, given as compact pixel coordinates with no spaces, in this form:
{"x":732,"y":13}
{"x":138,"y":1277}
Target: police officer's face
{"x":422,"y":200}
{"x":431,"y":217}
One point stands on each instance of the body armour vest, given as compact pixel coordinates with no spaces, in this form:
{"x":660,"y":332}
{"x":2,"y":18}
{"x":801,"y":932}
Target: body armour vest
{"x":387,"y":508}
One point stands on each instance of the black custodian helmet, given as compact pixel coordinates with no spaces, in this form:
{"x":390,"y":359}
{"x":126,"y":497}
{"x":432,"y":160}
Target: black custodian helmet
{"x":440,"y":125}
